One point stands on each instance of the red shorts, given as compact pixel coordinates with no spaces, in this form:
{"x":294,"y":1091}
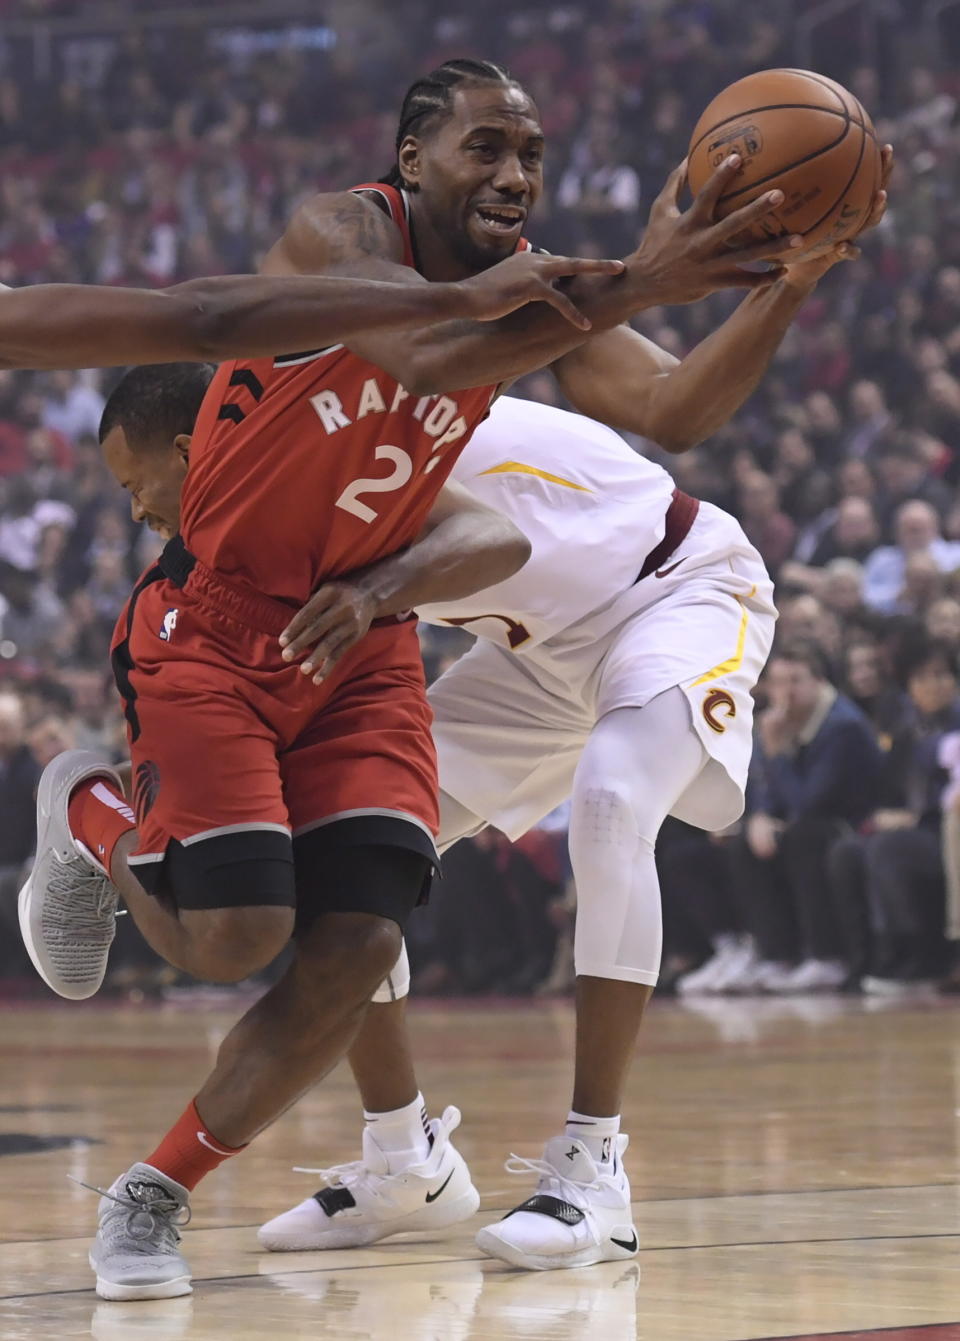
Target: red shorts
{"x":229,"y":741}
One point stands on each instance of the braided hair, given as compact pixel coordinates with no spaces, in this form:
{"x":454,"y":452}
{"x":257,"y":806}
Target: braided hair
{"x":432,"y":97}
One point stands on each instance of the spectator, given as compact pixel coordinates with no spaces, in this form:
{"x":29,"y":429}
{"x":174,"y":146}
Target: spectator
{"x":904,"y":473}
{"x":767,"y":527}
{"x":917,"y":532}
{"x":870,"y":416}
{"x":815,"y":773}
{"x":866,"y":685}
{"x":852,"y":532}
{"x":72,"y":406}
{"x":891,"y":878}
{"x":604,"y":191}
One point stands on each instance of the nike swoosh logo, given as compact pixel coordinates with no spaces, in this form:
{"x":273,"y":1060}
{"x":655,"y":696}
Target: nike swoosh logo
{"x":665,"y":572}
{"x":432,"y":1196}
{"x":210,"y":1146}
{"x":631,"y":1245}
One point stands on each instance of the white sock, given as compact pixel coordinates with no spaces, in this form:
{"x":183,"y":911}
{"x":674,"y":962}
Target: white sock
{"x":402,"y":1134}
{"x":596,"y":1133}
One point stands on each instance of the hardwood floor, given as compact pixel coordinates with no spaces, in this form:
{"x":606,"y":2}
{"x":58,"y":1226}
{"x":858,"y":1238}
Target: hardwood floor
{"x":794,"y":1169}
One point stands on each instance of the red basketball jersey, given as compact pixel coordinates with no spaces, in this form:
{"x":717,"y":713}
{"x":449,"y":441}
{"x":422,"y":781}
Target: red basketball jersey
{"x":309,"y":465}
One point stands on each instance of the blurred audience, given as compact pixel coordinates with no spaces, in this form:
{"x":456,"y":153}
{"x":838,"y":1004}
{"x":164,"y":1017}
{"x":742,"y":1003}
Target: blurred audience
{"x":150,"y":153}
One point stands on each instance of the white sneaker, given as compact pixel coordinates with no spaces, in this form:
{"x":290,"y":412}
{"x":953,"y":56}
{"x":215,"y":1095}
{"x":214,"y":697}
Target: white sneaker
{"x":899,"y":988}
{"x":363,"y":1202}
{"x":579,"y":1214}
{"x":729,"y":950}
{"x":758,"y":975}
{"x":813,"y":975}
{"x":68,"y":906}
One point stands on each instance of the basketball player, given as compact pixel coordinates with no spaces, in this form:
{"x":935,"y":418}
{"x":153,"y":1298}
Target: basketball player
{"x":347,"y":765}
{"x":616,"y":667}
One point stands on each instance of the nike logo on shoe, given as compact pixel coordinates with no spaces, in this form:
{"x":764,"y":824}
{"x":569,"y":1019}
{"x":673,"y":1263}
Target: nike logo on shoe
{"x":432,"y":1196}
{"x":631,"y":1245}
{"x":665,"y":572}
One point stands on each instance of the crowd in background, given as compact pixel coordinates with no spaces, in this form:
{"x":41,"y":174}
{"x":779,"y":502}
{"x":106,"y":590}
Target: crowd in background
{"x":144,"y":156}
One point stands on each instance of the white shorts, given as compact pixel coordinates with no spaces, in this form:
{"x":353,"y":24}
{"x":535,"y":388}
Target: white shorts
{"x":510,"y":727}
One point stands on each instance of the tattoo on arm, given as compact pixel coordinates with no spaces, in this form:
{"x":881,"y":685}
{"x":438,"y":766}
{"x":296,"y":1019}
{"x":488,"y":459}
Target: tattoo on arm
{"x":363,"y":231}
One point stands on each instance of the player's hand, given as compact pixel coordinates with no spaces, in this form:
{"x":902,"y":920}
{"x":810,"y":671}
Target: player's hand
{"x":529,"y":277}
{"x":334,"y":619}
{"x":805,"y":273}
{"x":879,"y":207}
{"x":686,"y":255}
{"x":763,"y":836}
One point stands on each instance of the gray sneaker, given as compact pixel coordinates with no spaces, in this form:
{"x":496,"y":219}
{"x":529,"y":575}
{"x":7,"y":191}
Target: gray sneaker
{"x":135,"y":1252}
{"x":68,"y":906}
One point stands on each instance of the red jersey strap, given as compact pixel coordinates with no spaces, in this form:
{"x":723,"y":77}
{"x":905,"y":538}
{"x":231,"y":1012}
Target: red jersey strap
{"x":399,"y":209}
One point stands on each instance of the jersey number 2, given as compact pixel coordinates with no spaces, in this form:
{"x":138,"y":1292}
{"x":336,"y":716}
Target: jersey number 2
{"x":349,"y":500}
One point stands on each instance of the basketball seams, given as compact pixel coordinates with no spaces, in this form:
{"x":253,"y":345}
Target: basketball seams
{"x":850,"y":180}
{"x":798,"y":162}
{"x":837,"y":90}
{"x":773,"y":107}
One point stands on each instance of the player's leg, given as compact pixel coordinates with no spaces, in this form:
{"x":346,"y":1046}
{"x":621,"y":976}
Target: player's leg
{"x":406,"y":1155}
{"x":636,"y":764}
{"x":381,"y":1058}
{"x":91,"y":854}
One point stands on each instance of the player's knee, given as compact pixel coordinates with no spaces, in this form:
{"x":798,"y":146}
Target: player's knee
{"x":607,"y":813}
{"x":352,"y":953}
{"x":234,"y":943}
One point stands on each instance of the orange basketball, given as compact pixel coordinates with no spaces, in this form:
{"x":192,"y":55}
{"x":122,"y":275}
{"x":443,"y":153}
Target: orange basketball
{"x":800,"y":132}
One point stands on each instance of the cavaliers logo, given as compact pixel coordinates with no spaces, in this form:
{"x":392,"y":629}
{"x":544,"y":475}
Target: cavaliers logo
{"x":718,"y":700}
{"x":145,"y":789}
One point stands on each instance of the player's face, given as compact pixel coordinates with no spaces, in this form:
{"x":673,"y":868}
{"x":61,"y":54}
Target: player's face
{"x":793,"y":688}
{"x":480,"y":172}
{"x":152,"y":476}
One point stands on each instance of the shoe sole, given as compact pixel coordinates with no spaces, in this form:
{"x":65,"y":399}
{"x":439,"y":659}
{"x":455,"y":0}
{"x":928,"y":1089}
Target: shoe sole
{"x":167,"y":1289}
{"x":462,"y":1208}
{"x":45,"y":816}
{"x":490,"y":1243}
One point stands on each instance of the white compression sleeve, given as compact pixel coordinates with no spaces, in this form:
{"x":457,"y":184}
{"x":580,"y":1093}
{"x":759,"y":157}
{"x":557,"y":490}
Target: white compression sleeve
{"x":637,"y":763}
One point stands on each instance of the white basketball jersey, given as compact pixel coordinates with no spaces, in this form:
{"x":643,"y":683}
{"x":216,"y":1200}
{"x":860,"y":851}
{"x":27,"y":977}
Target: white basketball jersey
{"x":592,"y":508}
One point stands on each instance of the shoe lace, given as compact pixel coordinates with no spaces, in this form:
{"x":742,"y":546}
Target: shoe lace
{"x":549,"y":1179}
{"x":91,"y":895}
{"x":153,"y":1218}
{"x":354,"y":1176}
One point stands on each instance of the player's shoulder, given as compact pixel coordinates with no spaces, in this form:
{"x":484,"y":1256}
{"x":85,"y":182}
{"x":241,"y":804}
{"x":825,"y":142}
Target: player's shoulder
{"x":334,"y":226}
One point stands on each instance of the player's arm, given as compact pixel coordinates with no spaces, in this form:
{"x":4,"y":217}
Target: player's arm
{"x":464,"y":548}
{"x":682,"y":258}
{"x":627,"y":381}
{"x":250,"y":316}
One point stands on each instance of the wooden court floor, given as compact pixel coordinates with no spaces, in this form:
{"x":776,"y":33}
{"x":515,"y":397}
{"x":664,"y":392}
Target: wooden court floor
{"x":794,"y":1165}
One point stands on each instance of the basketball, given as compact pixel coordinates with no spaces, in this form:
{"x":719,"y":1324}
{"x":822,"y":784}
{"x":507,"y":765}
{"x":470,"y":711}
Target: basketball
{"x":802,"y":133}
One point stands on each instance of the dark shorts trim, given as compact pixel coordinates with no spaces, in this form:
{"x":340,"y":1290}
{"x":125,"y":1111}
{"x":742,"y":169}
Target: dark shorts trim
{"x":376,"y":864}
{"x":236,"y":870}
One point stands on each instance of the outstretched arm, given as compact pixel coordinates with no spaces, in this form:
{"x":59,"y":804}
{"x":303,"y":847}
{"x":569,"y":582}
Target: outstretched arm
{"x":630,"y":383}
{"x":464,"y":548}
{"x":251,"y":316}
{"x":683,"y":257}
